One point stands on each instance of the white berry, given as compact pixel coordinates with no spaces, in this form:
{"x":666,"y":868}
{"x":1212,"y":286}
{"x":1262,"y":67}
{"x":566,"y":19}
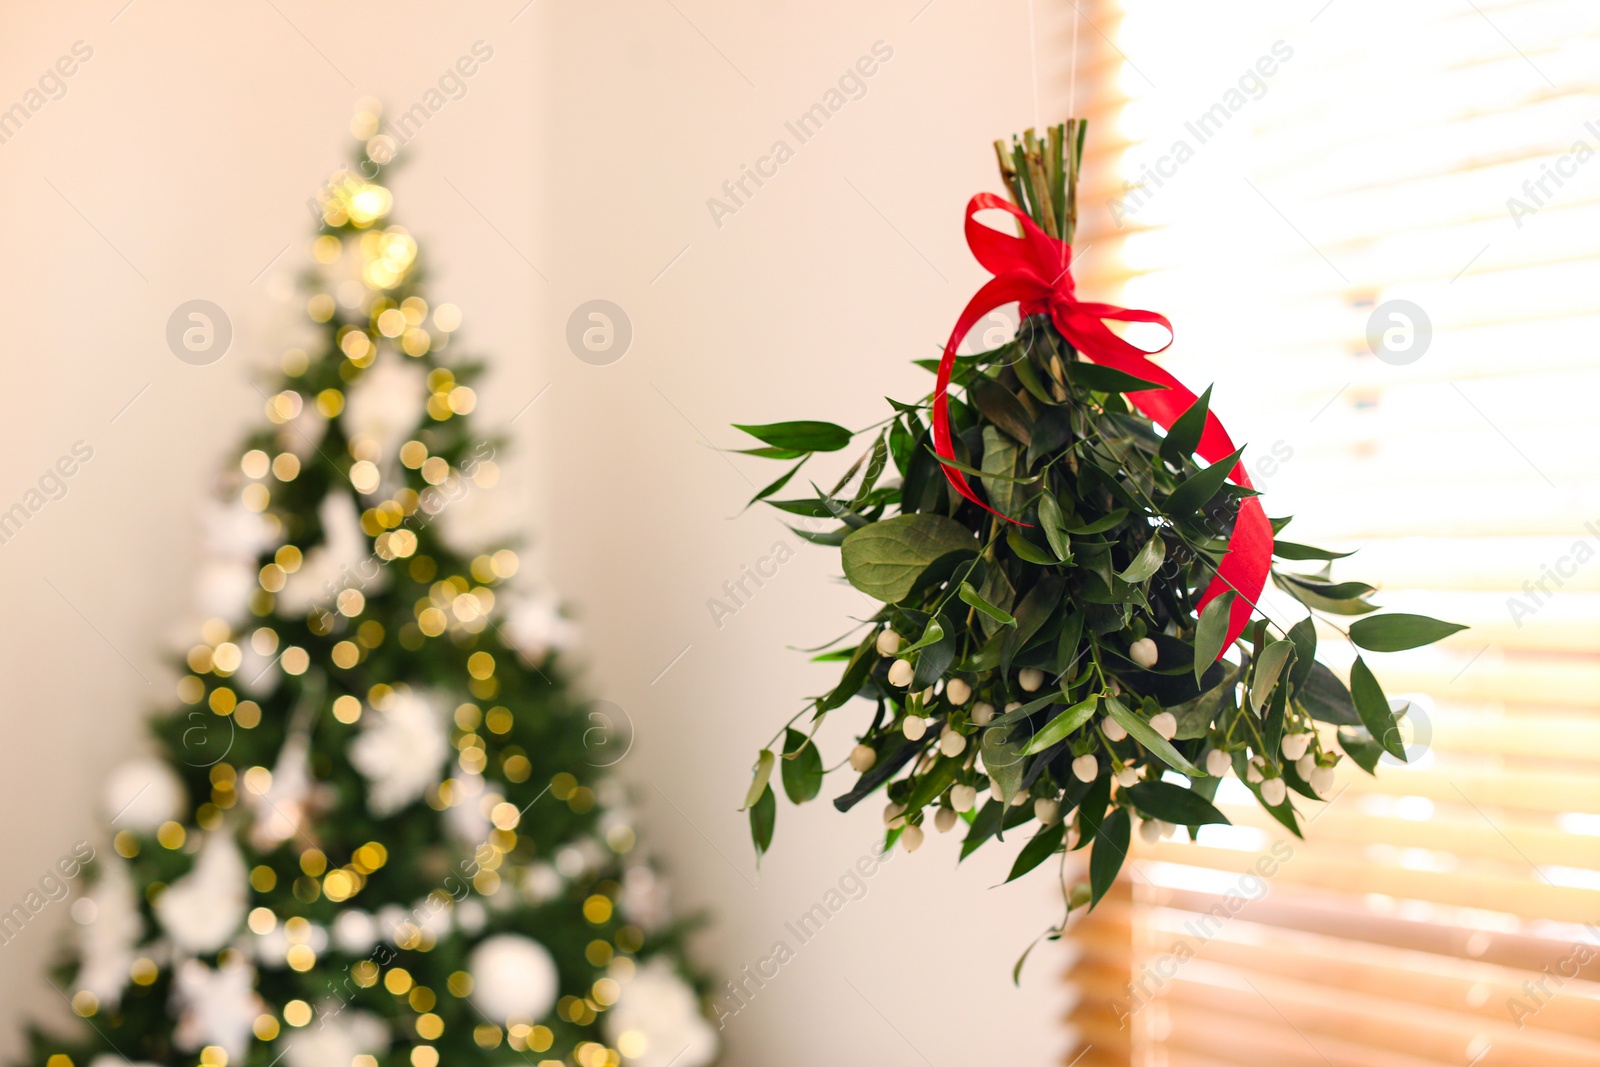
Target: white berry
{"x":952,"y":743}
{"x":957,"y":691}
{"x":888,"y":643}
{"x":996,"y":790}
{"x":1294,"y":745}
{"x":1030,"y":678}
{"x":1019,"y":800}
{"x":914,"y":727}
{"x":1113,"y":729}
{"x":1128,"y":777}
{"x":1165,"y":723}
{"x":1253,"y":772}
{"x":982,"y":713}
{"x":911,"y":838}
{"x":1086,"y":768}
{"x":1217,"y":763}
{"x":1274,"y":791}
{"x":1306,"y":765}
{"x":901,"y":672}
{"x":892,"y":813}
{"x":1046,"y":810}
{"x":1013,"y":706}
{"x":862,"y":757}
{"x":1150,"y":830}
{"x":944,"y":820}
{"x":1144,"y":652}
{"x":1322,"y":781}
{"x":963,"y":797}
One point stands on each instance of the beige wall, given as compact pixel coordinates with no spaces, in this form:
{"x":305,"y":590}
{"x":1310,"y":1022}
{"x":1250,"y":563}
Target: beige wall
{"x":177,"y":166}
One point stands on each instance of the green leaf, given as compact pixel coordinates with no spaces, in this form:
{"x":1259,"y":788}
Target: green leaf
{"x":1054,"y":525}
{"x":1110,"y":849}
{"x":800,"y":436}
{"x":1141,"y":731}
{"x":768,"y":452}
{"x":1062,"y":726}
{"x":1269,"y":665}
{"x":1003,"y":759}
{"x":1347,"y":598}
{"x":1396,"y":633}
{"x":1184,"y":436}
{"x":1100,"y":525}
{"x":1147,"y":562}
{"x":1304,"y":636}
{"x":1211,"y":632}
{"x":1359,"y":746}
{"x":782,"y":480}
{"x":854,"y":677}
{"x":1002,"y":408}
{"x":932,"y":785}
{"x":758,"y":781}
{"x":883,"y":559}
{"x":932,"y":634}
{"x":970,"y":596}
{"x":801,"y":768}
{"x":1290,"y":550}
{"x":985,"y":824}
{"x":1105,"y":379}
{"x":1325,"y":698}
{"x":1373,"y":707}
{"x":1194,"y":491}
{"x":1174,"y":804}
{"x":1000,"y":455}
{"x":1025,"y":549}
{"x":763,"y":817}
{"x":1039,"y":848}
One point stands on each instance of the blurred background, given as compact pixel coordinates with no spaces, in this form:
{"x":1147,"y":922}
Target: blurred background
{"x":1370,"y":224}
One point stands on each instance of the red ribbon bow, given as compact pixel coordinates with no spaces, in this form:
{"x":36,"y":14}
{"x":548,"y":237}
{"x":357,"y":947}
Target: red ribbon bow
{"x":1034,"y":270}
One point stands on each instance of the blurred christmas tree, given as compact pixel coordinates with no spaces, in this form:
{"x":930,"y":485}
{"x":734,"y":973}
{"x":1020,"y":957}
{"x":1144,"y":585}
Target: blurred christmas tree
{"x":379,"y":832}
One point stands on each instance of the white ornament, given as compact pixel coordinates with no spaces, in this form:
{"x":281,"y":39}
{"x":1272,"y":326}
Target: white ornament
{"x":1047,"y":810}
{"x":1274,"y":791}
{"x":963,"y":797}
{"x":957,"y":691}
{"x":657,"y":1021}
{"x":1165,"y":723}
{"x":223,"y":588}
{"x":1217,"y":763}
{"x":354,"y":932}
{"x":1322,"y":781}
{"x":280,"y":811}
{"x":862,"y":757}
{"x":914,"y":726}
{"x":344,"y":560}
{"x":232,"y":531}
{"x":535,"y":626}
{"x":644,"y":901}
{"x":1294,"y":746}
{"x":901,"y":672}
{"x":215,"y":1007}
{"x":944,"y":820}
{"x":203,"y":910}
{"x":401,"y":750}
{"x":1030,"y":678}
{"x":1144,"y":652}
{"x":1113,"y":729}
{"x":338,"y":1036}
{"x":888,"y":642}
{"x":111,"y":1059}
{"x":951,"y":743}
{"x":471,"y":916}
{"x":142,"y":794}
{"x":911,"y":838}
{"x":982,"y":713}
{"x":111,"y":929}
{"x":466,"y":818}
{"x":1086,"y":768}
{"x":513,"y":977}
{"x":386,"y":402}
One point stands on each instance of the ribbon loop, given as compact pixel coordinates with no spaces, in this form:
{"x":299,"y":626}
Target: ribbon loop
{"x":1034,"y":270}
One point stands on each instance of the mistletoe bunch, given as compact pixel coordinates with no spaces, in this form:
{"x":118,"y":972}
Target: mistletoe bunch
{"x":1053,"y":658}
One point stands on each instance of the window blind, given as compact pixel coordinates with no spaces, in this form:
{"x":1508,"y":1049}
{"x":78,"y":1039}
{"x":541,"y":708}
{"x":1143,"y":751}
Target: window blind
{"x":1446,"y":154}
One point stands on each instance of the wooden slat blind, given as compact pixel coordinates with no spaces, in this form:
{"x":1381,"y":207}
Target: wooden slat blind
{"x":1446,"y":912}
